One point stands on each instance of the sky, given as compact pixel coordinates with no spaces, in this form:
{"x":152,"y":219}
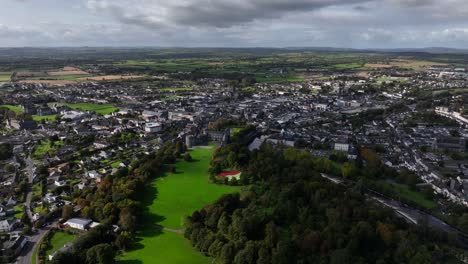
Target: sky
{"x":235,"y":23}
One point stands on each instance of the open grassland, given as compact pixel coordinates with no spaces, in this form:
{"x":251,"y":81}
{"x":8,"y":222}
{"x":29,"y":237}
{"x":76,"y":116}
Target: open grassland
{"x":103,"y":109}
{"x":187,"y":190}
{"x":169,"y":199}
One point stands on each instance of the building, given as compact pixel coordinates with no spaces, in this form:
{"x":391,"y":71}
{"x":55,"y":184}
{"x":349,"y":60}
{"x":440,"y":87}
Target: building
{"x":14,"y":246}
{"x":79,"y":223}
{"x":8,"y":225}
{"x":21,"y":124}
{"x":452,"y":144}
{"x":152,"y":127}
{"x":342,"y":144}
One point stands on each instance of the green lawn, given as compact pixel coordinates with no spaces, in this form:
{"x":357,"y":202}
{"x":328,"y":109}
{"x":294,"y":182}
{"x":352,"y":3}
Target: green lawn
{"x":98,"y":108}
{"x":13,"y":108}
{"x":400,"y":191}
{"x":46,"y":117}
{"x":169,"y":200}
{"x":46,"y":147}
{"x":414,"y":196}
{"x":19,"y":211}
{"x":58,"y":240}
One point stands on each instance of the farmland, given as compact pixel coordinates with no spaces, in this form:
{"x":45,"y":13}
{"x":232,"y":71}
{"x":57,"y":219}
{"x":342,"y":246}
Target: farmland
{"x":169,"y":200}
{"x":5,"y":76}
{"x":110,"y":77}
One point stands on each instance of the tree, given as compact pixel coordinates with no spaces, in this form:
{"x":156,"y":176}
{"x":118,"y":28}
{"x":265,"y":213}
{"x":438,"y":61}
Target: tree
{"x":124,"y":241}
{"x":100,"y":254}
{"x":67,"y":212}
{"x":127,"y":220}
{"x":6,"y":151}
{"x":187,"y":157}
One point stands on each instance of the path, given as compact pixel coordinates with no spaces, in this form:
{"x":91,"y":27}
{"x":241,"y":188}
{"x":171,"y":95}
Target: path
{"x":175,"y":231}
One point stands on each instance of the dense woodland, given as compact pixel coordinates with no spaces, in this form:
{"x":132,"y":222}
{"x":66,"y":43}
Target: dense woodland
{"x":290,"y":214}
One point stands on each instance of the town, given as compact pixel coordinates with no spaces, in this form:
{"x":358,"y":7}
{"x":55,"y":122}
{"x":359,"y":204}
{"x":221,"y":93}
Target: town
{"x":60,"y":139}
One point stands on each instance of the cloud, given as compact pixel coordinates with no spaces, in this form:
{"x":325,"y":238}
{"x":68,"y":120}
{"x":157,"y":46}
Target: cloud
{"x":206,"y":13}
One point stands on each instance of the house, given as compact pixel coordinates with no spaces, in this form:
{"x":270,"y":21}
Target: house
{"x":50,"y":198}
{"x":8,"y":225}
{"x":454,"y":144}
{"x":11,"y":202}
{"x":79,"y":223}
{"x":14,"y":246}
{"x":342,"y":144}
{"x":152,"y":127}
{"x":21,"y":124}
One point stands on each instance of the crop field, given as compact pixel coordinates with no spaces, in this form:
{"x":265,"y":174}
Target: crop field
{"x":169,"y":200}
{"x":67,"y":71}
{"x":49,"y":82}
{"x":5,"y":76}
{"x":103,"y":109}
{"x":110,"y":77}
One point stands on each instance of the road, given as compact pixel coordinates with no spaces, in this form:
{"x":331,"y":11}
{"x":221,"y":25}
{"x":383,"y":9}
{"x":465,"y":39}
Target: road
{"x":31,"y":171}
{"x":28,"y":250}
{"x":412,"y":215}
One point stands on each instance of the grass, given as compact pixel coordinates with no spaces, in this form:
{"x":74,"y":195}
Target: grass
{"x":348,"y":66}
{"x":58,"y":240}
{"x":176,"y":89}
{"x":46,"y":117}
{"x":103,"y":109}
{"x":4,"y":77}
{"x":13,"y":108}
{"x":169,"y":200}
{"x":115,"y":164}
{"x":46,"y":147}
{"x":401,"y":191}
{"x":18,"y":211}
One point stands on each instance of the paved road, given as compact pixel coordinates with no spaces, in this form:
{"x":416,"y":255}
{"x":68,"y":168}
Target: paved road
{"x":31,"y":171}
{"x":27,"y":252}
{"x":410,"y":214}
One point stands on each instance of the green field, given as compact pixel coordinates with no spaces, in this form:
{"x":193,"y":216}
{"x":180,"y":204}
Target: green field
{"x":181,"y":89}
{"x":348,"y":66}
{"x":58,"y":240}
{"x":103,"y":109}
{"x":5,"y":77}
{"x":401,"y":191}
{"x":13,"y":108}
{"x":47,"y":117}
{"x":169,"y":200}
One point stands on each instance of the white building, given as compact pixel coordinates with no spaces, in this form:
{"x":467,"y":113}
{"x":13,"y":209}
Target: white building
{"x":79,"y":223}
{"x":152,"y":127}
